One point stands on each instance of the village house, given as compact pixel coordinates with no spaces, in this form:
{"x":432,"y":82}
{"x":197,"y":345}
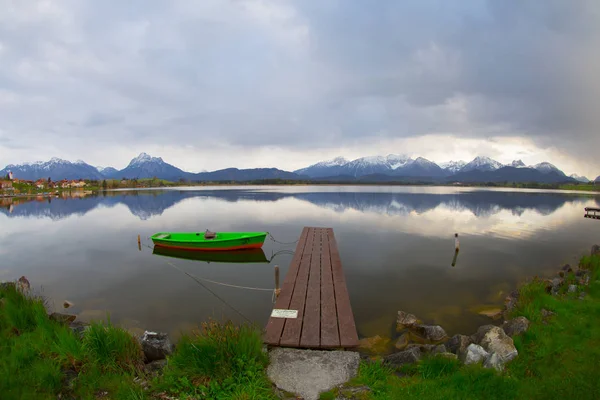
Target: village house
{"x":6,"y":185}
{"x":78,"y":184}
{"x":41,"y":183}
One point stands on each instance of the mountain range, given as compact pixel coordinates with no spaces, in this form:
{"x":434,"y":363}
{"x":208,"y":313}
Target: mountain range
{"x":373,"y":169}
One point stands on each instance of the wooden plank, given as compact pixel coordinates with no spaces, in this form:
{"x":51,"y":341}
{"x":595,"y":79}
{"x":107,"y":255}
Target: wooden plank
{"x":347,"y":326}
{"x":311,"y":324}
{"x":275,"y":326}
{"x":330,"y":335}
{"x":293,"y":327}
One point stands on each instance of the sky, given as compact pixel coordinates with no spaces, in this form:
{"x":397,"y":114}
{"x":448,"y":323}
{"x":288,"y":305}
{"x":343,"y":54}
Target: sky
{"x":279,"y":83}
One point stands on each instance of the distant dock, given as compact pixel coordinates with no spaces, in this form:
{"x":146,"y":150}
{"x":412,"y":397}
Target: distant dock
{"x":313,"y":309}
{"x":591,"y":212}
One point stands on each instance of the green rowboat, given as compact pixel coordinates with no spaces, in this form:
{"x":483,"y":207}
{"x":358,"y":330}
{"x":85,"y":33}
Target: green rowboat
{"x":210,"y":241}
{"x":252,"y":256}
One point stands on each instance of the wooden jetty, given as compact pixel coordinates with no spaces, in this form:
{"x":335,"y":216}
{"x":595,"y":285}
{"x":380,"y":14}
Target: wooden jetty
{"x":591,"y":212}
{"x":313,"y":309}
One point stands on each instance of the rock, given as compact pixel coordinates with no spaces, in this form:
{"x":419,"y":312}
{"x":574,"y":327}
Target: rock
{"x":585,"y":280}
{"x":359,"y":392}
{"x":567,"y":268}
{"x":581,"y":272}
{"x":374,"y":345}
{"x":408,"y":356}
{"x":67,"y":304}
{"x":494,"y":361}
{"x":595,"y":250}
{"x":405,"y":320}
{"x":431,"y":333}
{"x":428,"y":348}
{"x":447,"y":355}
{"x":458,"y":343}
{"x":62,"y":318}
{"x":510,"y":301}
{"x":155,"y":367}
{"x":402,"y":341}
{"x":473,"y":354}
{"x":307,"y":373}
{"x":516,"y":326}
{"x":494,"y":340}
{"x":79,"y":328}
{"x":572,"y":288}
{"x":69,"y":376}
{"x":554,"y":285}
{"x":493,"y":313}
{"x":23,"y":284}
{"x":439,"y":349}
{"x":156,"y":346}
{"x":582,"y":295}
{"x":546,"y":313}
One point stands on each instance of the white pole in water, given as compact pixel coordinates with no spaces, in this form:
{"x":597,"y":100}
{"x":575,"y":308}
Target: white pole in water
{"x":456,"y":242}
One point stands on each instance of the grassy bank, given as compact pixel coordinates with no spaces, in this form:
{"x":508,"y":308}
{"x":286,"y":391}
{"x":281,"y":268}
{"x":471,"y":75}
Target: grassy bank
{"x":558,"y":357}
{"x":41,"y":358}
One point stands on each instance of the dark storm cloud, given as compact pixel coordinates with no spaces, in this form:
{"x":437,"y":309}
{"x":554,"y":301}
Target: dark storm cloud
{"x":300,"y":74}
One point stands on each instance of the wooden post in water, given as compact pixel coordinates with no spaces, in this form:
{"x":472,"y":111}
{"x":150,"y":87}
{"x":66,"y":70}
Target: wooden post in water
{"x":277,"y":289}
{"x":139,"y":243}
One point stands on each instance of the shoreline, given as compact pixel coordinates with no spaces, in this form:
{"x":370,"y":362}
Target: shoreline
{"x":536,"y":314}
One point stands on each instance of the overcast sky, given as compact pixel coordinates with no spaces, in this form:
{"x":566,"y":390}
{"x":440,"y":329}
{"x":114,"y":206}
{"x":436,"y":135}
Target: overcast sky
{"x":249,"y":83}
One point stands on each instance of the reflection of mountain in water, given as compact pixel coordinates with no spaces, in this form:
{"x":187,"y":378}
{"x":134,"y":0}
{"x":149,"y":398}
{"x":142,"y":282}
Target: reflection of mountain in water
{"x":147,"y":204}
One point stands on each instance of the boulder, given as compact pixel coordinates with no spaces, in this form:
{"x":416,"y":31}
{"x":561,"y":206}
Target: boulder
{"x":567,"y":268}
{"x":428,"y":348}
{"x":494,"y":340}
{"x":511,"y":300}
{"x":405,"y":320}
{"x":374,"y":345}
{"x":431,"y":333}
{"x":402,"y":341}
{"x":408,"y":356}
{"x":572,"y":288}
{"x":155,"y":367}
{"x":595,"y":250}
{"x":78,"y":328}
{"x":156,"y":346}
{"x":554,"y":285}
{"x":307,"y":373}
{"x":494,"y":361}
{"x":23,"y":284}
{"x":473,"y":354}
{"x":516,"y":326}
{"x":458,"y":343}
{"x":62,"y":318}
{"x":439,"y":349}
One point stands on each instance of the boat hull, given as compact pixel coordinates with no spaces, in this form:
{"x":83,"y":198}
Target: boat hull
{"x":223,"y":242}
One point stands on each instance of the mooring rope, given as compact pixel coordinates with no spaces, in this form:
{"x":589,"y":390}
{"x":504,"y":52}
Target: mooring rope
{"x":283,"y":243}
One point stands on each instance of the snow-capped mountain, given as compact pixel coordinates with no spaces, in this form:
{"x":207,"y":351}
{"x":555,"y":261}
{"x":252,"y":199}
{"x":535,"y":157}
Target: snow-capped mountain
{"x":324,"y":168}
{"x":518,"y":164}
{"x":146,"y":166}
{"x":421,"y":167}
{"x":579,"y":178}
{"x":55,"y":168}
{"x":597,"y":180}
{"x":453,"y":167}
{"x":480,"y":163}
{"x":546,"y":168}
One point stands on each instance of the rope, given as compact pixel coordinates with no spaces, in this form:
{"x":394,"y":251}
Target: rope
{"x":227,"y":284}
{"x":213,"y":293}
{"x":283,"y":243}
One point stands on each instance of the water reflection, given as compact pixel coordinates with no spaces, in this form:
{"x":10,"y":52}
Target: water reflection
{"x":395,"y":245}
{"x":235,"y":257}
{"x":145,"y":204}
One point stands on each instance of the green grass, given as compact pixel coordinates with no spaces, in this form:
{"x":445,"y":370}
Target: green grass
{"x":223,"y":361}
{"x":558,"y":356}
{"x":588,"y":187}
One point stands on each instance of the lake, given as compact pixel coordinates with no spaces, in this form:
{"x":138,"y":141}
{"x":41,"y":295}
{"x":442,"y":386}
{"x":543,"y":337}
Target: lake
{"x":396,"y":245}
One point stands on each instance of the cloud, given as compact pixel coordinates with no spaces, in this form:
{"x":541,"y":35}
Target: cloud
{"x":237,"y":79}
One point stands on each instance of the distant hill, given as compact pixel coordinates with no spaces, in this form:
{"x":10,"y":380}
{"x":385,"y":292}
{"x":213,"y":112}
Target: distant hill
{"x":234,"y":174}
{"x":107,"y":171}
{"x":146,"y":166}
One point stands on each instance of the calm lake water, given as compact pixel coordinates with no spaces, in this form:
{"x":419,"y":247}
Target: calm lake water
{"x":396,"y":245}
